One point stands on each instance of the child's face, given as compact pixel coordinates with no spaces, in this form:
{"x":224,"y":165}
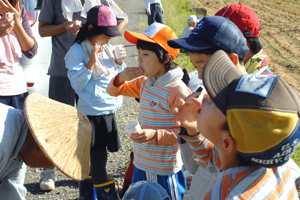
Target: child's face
{"x":150,"y":64}
{"x":100,"y":39}
{"x":198,"y":60}
{"x":210,"y":120}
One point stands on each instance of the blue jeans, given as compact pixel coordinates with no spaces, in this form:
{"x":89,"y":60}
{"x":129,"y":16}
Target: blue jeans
{"x":156,"y":14}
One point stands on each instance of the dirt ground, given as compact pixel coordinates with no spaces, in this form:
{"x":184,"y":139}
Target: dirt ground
{"x":280,"y":34}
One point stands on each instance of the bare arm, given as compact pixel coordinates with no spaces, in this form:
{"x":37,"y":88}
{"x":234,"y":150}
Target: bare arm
{"x":122,"y":24}
{"x":47,"y":30}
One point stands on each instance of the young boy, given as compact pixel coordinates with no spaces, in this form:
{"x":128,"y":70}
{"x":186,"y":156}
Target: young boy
{"x":230,"y":117}
{"x":156,"y":155}
{"x":256,"y":60}
{"x":211,"y":34}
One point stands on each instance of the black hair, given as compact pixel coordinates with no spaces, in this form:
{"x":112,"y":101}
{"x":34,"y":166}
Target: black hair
{"x":255,"y":44}
{"x":13,"y":2}
{"x":86,"y":34}
{"x":211,"y":51}
{"x":161,"y":54}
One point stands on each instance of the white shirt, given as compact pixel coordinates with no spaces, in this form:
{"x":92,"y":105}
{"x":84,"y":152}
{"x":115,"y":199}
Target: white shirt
{"x":186,"y":31}
{"x":148,"y":2}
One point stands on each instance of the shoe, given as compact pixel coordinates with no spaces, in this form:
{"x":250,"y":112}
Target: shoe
{"x":47,"y":181}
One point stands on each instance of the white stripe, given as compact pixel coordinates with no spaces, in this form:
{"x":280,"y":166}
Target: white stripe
{"x":171,"y":187}
{"x":175,"y":186}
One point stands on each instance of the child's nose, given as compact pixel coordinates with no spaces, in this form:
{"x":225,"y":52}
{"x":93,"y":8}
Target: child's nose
{"x":139,"y":59}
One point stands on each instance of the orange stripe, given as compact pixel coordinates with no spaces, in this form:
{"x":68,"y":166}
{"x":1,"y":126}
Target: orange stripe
{"x":240,"y":175}
{"x":280,"y":186}
{"x":225,"y":186}
{"x":293,"y":194}
{"x":207,"y":195}
{"x":257,"y":184}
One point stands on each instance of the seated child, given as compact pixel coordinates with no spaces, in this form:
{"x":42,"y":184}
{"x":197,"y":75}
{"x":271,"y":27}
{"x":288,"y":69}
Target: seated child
{"x":192,"y":23}
{"x":156,"y":154}
{"x":251,"y":124}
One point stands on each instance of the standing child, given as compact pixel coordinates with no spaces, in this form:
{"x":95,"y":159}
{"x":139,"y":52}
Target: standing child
{"x":156,"y":154}
{"x":91,"y":65}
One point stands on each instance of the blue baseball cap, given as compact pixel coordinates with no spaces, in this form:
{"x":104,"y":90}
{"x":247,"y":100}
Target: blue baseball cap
{"x":211,"y":32}
{"x":146,"y":190}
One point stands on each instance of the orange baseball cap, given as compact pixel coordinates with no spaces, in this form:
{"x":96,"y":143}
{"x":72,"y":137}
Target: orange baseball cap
{"x":155,"y":33}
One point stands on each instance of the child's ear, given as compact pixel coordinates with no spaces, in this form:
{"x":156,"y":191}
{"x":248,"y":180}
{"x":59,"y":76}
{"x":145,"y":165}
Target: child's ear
{"x":227,"y":144}
{"x":168,"y":58}
{"x":234,"y":58}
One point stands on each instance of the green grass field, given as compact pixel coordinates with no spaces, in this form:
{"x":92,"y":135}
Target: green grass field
{"x":175,"y":16}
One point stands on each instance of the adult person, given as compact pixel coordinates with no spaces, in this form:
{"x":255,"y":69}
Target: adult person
{"x":154,"y":11}
{"x":34,"y":137}
{"x":15,"y":39}
{"x":56,"y":22}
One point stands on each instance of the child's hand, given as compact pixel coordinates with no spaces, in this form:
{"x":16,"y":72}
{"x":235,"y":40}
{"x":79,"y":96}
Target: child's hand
{"x":6,"y":7}
{"x":95,"y":53}
{"x":186,"y":113}
{"x":143,"y":135}
{"x":6,"y":27}
{"x":71,"y":27}
{"x":119,"y":61}
{"x":130,"y":73}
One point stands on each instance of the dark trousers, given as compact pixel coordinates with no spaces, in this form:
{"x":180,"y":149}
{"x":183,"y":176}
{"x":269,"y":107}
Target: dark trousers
{"x":156,"y":14}
{"x":60,"y":89}
{"x":16,"y":101}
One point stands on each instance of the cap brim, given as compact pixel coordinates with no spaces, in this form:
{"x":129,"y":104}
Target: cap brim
{"x":218,"y":73}
{"x":190,"y":44}
{"x":111,"y":31}
{"x":133,"y":37}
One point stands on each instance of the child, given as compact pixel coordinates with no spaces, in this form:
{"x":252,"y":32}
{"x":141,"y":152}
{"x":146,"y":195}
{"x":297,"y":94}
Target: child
{"x":256,"y":60}
{"x":156,"y":154}
{"x":146,"y":190}
{"x":192,"y":22}
{"x":231,"y":116}
{"x":91,"y":65}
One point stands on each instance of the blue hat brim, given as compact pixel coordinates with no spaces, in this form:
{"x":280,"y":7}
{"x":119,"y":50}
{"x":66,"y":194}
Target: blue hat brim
{"x":190,"y":44}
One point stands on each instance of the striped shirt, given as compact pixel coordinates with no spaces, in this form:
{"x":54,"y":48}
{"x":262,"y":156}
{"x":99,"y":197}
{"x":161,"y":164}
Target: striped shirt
{"x":244,"y":182}
{"x":160,"y":156}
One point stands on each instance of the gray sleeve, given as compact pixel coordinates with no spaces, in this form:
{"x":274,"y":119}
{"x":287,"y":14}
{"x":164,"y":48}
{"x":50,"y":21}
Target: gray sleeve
{"x":47,"y":13}
{"x":120,"y":15}
{"x":186,"y":154}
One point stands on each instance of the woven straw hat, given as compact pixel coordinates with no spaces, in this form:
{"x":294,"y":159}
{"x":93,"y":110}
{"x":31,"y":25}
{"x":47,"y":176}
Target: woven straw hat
{"x":62,"y":132}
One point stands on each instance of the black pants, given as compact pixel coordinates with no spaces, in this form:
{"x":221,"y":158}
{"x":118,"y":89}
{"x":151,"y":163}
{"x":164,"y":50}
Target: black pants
{"x":105,"y":137}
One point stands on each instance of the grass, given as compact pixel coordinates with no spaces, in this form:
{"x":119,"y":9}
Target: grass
{"x":175,"y":16}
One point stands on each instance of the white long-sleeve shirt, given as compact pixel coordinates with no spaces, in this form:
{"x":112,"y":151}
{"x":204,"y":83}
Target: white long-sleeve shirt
{"x":148,"y":2}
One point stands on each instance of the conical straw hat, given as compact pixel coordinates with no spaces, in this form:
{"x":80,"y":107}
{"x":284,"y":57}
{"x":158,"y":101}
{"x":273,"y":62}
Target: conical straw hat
{"x":62,"y":132}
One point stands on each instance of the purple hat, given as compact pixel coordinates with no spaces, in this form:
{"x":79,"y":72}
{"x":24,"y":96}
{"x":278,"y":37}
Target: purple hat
{"x":103,"y":17}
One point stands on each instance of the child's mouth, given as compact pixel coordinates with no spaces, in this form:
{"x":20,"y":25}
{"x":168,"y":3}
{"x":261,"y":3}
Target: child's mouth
{"x":199,"y":111}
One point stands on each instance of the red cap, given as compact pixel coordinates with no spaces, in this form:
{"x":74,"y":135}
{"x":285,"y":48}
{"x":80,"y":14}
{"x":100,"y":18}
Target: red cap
{"x":245,"y":18}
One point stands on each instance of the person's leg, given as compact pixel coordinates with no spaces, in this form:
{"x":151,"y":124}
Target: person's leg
{"x":159,"y":17}
{"x":151,"y":18}
{"x":105,"y":136}
{"x":60,"y":89}
{"x":174,"y":184}
{"x":12,"y":185}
